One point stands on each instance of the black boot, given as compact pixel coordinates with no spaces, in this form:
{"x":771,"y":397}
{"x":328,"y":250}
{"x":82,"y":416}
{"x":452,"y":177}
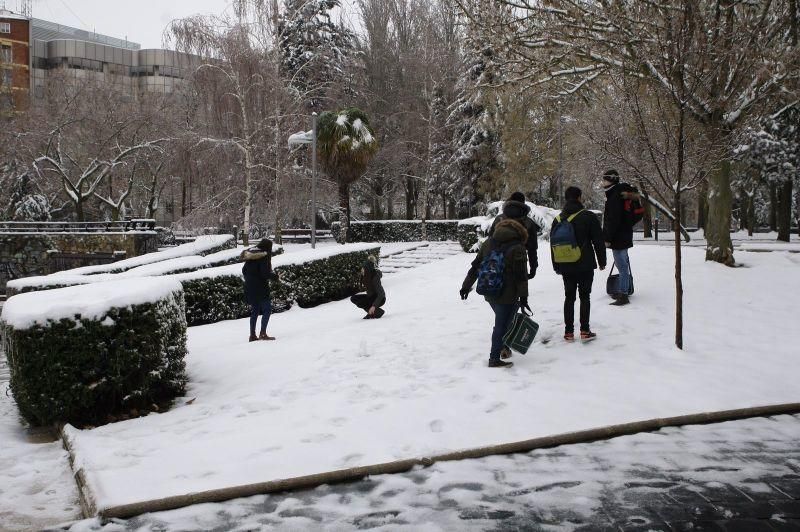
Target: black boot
{"x":500,"y":364}
{"x":621,"y":300}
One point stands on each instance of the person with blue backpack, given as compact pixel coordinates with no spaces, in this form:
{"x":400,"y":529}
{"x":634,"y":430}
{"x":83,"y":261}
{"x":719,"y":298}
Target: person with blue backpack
{"x":577,"y":249}
{"x":501,"y":271}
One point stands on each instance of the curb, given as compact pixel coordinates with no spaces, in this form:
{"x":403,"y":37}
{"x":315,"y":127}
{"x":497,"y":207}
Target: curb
{"x":89,"y":506}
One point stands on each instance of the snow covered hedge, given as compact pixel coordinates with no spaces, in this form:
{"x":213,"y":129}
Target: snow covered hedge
{"x":308,"y":278}
{"x":397,"y":231}
{"x":472,"y":231}
{"x":89,"y":354}
{"x":176,"y":265}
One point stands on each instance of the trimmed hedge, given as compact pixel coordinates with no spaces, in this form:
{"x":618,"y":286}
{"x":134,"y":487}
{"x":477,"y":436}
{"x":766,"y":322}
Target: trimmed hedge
{"x":397,"y":231}
{"x":213,"y":296}
{"x":469,"y":234}
{"x":92,"y":370}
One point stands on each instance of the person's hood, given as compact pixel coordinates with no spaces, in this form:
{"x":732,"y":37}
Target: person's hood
{"x":253,"y":254}
{"x":570,"y":208}
{"x":515,"y":209}
{"x":510,"y":230}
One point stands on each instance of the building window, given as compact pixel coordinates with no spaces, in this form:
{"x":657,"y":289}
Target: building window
{"x":5,"y":54}
{"x":5,"y":27}
{"x":7,"y":78}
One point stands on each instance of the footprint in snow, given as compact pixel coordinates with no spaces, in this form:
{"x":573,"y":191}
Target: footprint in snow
{"x":436,"y":425}
{"x":318,"y":438}
{"x":338,"y":421}
{"x":352,"y":459}
{"x":495,"y":407}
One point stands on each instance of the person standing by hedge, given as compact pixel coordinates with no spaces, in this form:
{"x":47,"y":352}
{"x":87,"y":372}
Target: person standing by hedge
{"x":584,"y":235}
{"x":516,"y":209}
{"x":618,"y":230}
{"x":375,"y":297}
{"x":257,"y":271}
{"x":504,"y":254}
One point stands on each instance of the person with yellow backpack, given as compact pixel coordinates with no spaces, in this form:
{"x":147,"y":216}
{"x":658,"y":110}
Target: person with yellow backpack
{"x":577,"y":249}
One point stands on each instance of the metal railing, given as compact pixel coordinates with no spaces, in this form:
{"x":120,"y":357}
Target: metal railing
{"x":121,"y":226}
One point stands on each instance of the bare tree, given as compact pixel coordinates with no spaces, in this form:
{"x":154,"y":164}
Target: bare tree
{"x":743,"y":51}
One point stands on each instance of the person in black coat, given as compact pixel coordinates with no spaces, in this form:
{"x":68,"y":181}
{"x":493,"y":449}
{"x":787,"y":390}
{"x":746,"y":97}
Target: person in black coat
{"x":375,"y":297}
{"x":516,"y":209}
{"x":257,"y":271}
{"x":579,"y":276}
{"x":618,"y":230}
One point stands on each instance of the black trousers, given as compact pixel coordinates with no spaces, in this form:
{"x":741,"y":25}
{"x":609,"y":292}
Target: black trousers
{"x":580,"y":282}
{"x":363,"y":301}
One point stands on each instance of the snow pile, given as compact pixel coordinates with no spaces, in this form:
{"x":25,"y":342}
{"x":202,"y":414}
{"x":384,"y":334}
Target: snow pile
{"x":23,"y":311}
{"x":336,"y":391}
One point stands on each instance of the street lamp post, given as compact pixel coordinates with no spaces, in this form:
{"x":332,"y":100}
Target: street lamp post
{"x":310,"y":137}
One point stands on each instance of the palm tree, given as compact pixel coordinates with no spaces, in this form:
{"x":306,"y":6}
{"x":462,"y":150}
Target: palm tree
{"x":346,"y":143}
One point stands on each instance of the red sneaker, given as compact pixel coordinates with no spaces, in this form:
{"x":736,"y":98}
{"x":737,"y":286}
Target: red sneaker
{"x":569,"y":337}
{"x":587,"y":336}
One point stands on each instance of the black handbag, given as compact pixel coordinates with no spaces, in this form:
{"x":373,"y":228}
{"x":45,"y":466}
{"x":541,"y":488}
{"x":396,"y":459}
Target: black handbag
{"x":612,"y":283}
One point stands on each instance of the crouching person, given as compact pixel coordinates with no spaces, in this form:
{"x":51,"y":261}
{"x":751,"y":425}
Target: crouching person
{"x":375,"y":297}
{"x":500,"y":268}
{"x":257,"y":271}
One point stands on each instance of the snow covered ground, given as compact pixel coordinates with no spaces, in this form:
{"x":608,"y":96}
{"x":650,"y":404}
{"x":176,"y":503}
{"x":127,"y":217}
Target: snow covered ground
{"x":36,"y":486}
{"x":708,"y":477}
{"x":335,"y":391}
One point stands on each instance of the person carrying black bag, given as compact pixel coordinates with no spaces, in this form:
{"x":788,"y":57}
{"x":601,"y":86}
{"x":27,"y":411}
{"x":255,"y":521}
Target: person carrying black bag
{"x":501,"y":270}
{"x":577,"y":228}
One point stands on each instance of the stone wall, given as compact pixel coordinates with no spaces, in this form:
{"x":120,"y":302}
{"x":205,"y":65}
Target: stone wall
{"x":26,"y":254}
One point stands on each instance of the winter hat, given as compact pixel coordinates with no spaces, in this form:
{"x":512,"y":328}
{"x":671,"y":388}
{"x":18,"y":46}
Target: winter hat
{"x":265,"y":245}
{"x":517,"y":196}
{"x":369,"y":264}
{"x":611,"y":175}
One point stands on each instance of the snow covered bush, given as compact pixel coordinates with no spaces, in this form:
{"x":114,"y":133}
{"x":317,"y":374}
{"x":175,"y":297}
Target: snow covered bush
{"x":87,"y":355}
{"x":308,"y":278}
{"x":472,"y":231}
{"x":396,"y":231}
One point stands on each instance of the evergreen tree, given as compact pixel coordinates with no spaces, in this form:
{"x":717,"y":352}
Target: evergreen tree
{"x":315,"y":51}
{"x":477,"y":157}
{"x":772,"y":150}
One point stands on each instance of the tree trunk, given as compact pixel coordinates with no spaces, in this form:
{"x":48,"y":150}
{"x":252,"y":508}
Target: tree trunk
{"x":718,"y":224}
{"x":410,"y":186}
{"x":389,"y":207}
{"x":344,"y":210}
{"x":751,"y":212}
{"x":647,"y":220}
{"x":785,"y":211}
{"x":702,"y":206}
{"x":678,"y":278}
{"x":79,"y":211}
{"x":773,"y":207}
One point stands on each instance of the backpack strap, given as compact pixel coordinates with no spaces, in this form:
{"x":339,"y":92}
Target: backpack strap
{"x":574,"y":215}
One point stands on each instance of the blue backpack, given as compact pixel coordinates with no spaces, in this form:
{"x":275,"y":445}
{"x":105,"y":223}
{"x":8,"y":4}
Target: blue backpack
{"x":490,"y":274}
{"x":563,"y":243}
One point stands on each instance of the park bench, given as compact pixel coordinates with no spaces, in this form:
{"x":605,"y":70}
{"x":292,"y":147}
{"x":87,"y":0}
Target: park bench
{"x":303,"y":236}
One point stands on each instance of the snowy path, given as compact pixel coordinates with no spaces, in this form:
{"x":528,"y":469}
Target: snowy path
{"x":36,"y":486}
{"x":335,"y":391}
{"x":413,"y":257}
{"x":742,"y":475}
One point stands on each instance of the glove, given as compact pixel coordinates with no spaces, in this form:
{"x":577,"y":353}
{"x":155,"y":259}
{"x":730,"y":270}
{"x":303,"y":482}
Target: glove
{"x":532,"y":274}
{"x":523,"y":304}
{"x":464,"y":292}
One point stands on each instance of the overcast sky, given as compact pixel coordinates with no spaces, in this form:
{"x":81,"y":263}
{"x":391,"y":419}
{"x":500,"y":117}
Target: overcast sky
{"x":141,"y":21}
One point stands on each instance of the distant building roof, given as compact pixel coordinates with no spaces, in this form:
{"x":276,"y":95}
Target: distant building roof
{"x":5,"y":13}
{"x":48,"y":31}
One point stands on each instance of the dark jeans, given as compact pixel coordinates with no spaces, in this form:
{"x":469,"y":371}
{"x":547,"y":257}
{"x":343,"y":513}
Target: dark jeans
{"x":582,"y":283}
{"x":503,"y":315}
{"x":363,"y":301}
{"x":263,"y":309}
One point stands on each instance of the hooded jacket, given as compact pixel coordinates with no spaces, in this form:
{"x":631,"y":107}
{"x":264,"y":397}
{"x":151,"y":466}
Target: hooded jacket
{"x":372,"y":284}
{"x":257,"y":271}
{"x":590,"y":239}
{"x":616,"y":229}
{"x":518,"y":211}
{"x":511,"y":236}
